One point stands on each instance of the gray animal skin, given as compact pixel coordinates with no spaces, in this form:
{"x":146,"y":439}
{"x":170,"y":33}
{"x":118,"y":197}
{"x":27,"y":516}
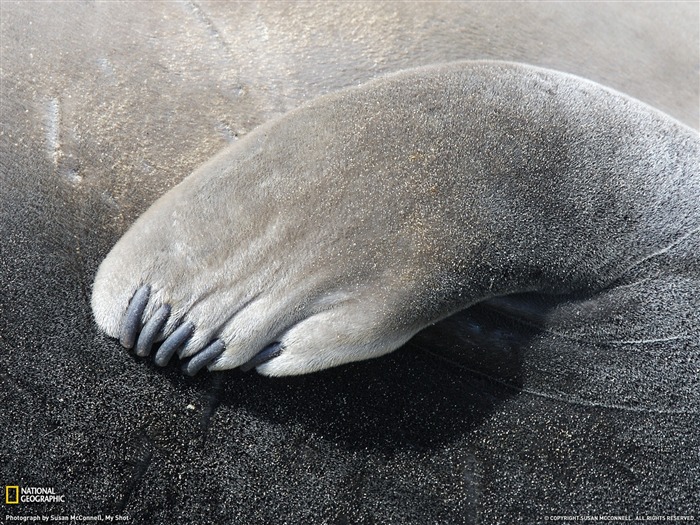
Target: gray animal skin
{"x":482,"y":418}
{"x":339,"y":231}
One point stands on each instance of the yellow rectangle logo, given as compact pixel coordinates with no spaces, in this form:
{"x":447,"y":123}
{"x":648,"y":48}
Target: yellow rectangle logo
{"x":11,"y":494}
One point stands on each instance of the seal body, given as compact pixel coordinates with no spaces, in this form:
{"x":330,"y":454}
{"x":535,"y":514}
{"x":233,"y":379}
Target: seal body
{"x":337,"y":232}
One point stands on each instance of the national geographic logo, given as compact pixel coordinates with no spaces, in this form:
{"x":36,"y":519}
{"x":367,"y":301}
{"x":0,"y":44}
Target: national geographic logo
{"x":11,"y":494}
{"x":14,"y":494}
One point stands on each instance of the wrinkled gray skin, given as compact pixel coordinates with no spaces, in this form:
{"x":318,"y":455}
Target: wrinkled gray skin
{"x":483,"y":418}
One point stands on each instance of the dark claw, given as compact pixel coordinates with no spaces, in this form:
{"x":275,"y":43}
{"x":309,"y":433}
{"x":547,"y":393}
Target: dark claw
{"x":172,"y":343}
{"x":263,"y":356}
{"x":204,"y":357}
{"x":151,"y":330}
{"x":132,"y":318}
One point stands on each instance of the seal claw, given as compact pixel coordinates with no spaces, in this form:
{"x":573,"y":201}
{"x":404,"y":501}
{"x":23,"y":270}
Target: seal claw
{"x":265,"y":355}
{"x":172,"y":343}
{"x":131,"y":323}
{"x":151,"y":330}
{"x":204,"y":357}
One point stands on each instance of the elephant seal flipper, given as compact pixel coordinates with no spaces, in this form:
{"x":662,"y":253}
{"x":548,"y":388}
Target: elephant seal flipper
{"x":339,"y":231}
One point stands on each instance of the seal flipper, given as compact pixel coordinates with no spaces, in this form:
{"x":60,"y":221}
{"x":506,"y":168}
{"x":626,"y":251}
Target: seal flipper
{"x":360,"y":275}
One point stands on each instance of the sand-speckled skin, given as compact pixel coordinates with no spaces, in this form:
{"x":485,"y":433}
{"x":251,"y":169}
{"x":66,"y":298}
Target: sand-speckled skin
{"x":350,"y":224}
